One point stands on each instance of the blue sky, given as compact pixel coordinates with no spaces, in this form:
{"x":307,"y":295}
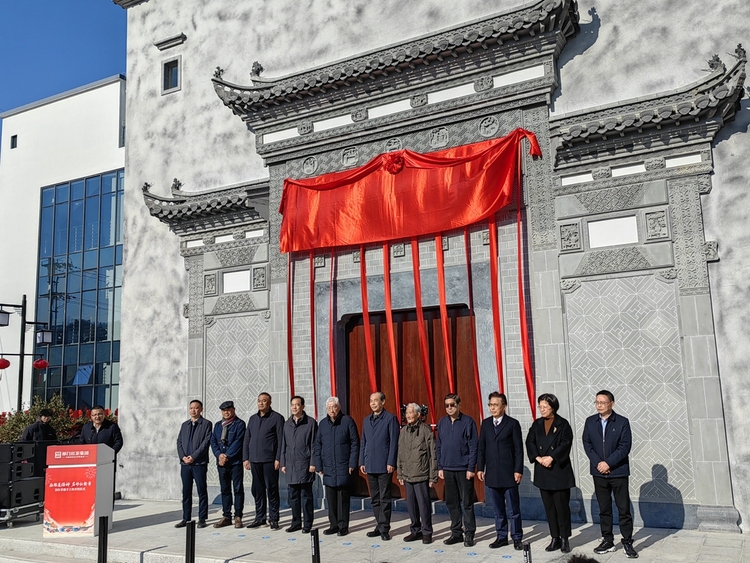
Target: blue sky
{"x":50,"y":46}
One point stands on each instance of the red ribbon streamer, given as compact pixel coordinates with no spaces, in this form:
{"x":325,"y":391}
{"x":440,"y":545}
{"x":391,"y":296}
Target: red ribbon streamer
{"x":331,"y":327}
{"x":478,"y":385}
{"x":312,"y":329}
{"x":495,"y":288}
{"x":423,"y":348}
{"x":366,"y":321}
{"x":444,"y":320}
{"x":525,"y":348}
{"x":289,"y":352}
{"x":389,"y":322}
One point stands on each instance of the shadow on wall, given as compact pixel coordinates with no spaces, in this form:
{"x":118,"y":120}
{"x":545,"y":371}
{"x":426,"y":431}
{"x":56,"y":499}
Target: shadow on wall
{"x":741,"y":122}
{"x":670,"y":514}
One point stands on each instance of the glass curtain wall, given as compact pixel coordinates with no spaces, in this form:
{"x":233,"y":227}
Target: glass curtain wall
{"x":79,"y":288}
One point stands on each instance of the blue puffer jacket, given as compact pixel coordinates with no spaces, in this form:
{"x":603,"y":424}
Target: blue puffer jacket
{"x":336,"y":449}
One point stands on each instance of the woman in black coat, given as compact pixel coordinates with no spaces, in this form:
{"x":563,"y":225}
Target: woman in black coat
{"x":548,"y":447}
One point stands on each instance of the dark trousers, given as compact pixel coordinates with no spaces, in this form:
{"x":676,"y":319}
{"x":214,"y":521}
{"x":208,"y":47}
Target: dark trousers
{"x":498,"y":498}
{"x":557,"y":508}
{"x":419,"y":506}
{"x":301,"y":503}
{"x":338,"y":507}
{"x":230,"y":479}
{"x":265,"y":481}
{"x":380,"y":498}
{"x":618,"y":487}
{"x":459,"y":498}
{"x":197,"y":474}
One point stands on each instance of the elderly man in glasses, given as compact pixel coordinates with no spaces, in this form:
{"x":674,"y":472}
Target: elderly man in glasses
{"x":456,"y":449}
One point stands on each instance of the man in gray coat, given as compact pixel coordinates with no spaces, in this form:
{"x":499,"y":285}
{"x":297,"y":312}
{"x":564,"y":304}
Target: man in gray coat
{"x":296,"y":460}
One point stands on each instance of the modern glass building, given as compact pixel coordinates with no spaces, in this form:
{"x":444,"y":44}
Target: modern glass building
{"x":78,"y":289}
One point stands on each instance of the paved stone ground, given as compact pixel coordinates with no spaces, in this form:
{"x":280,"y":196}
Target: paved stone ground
{"x":144,"y":533}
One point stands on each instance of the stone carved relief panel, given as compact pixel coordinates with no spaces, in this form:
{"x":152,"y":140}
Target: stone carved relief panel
{"x":234,"y":303}
{"x":439,"y":137}
{"x":260,"y":278}
{"x":687,"y":232}
{"x":240,"y":256}
{"x":570,"y":236}
{"x":611,"y":261}
{"x":489,"y":126}
{"x":647,"y":374}
{"x":656,"y":225}
{"x":399,"y":250}
{"x":309,"y":165}
{"x":209,"y":284}
{"x":538,"y":186}
{"x":611,"y":199}
{"x":194,"y":266}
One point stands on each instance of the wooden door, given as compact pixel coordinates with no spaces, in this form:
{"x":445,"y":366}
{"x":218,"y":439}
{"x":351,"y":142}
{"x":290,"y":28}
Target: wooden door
{"x":411,"y":381}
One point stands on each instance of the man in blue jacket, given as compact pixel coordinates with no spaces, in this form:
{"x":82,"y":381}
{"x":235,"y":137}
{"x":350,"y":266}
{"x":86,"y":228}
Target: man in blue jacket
{"x":607,"y":440}
{"x":377,"y":457}
{"x":456,"y":448}
{"x":336,"y":456}
{"x":226,"y":443}
{"x":260,"y":454}
{"x":192,"y":449}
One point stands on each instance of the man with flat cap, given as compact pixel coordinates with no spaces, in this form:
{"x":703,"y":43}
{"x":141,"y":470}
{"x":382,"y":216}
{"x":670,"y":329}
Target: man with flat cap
{"x":226,"y":443}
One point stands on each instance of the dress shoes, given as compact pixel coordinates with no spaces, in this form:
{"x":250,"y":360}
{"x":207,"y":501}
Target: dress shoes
{"x":181,"y":524}
{"x":385,"y":536}
{"x":565,"y":545}
{"x":374,"y":533}
{"x":427,"y":539}
{"x":518,"y":545}
{"x":330,"y":531}
{"x":223,"y":522}
{"x":201,"y":524}
{"x":256,"y":524}
{"x":413,"y":537}
{"x":238,"y":522}
{"x":469,"y":540}
{"x":343,"y":532}
{"x":499,"y":543}
{"x":274,"y":525}
{"x":554,"y":545}
{"x":454,"y":540}
{"x":293,"y":529}
{"x":306,"y":530}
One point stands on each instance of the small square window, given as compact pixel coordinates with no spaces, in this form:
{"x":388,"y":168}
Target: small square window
{"x":13,"y":141}
{"x":171,"y":75}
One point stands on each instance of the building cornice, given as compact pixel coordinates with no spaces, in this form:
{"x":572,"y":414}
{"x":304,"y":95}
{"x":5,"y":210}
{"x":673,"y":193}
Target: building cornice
{"x":125,"y":4}
{"x":712,"y":100}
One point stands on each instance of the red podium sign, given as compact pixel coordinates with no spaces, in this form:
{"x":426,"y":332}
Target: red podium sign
{"x":78,"y":489}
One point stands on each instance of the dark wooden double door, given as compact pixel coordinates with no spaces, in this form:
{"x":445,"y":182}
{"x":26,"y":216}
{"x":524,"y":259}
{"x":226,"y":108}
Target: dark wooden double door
{"x":412,"y":385}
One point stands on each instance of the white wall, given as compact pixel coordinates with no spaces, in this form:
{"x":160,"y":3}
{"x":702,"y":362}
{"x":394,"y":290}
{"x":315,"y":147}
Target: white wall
{"x":69,"y":136}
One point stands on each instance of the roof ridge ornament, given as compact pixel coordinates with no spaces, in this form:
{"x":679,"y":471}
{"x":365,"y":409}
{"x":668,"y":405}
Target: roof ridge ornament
{"x":715,"y":63}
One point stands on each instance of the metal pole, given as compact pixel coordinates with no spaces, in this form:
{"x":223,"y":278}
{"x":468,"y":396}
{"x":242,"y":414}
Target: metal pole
{"x":526,"y":552}
{"x":190,"y":542}
{"x":21,"y":354}
{"x":103,"y":532}
{"x":315,"y":545}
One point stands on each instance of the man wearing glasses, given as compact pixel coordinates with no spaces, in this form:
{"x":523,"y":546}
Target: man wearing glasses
{"x":607,"y":440}
{"x":456,"y":451}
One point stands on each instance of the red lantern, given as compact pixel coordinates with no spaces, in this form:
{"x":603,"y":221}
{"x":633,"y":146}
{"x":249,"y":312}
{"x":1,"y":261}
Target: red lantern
{"x":40,"y":364}
{"x":4,"y":363}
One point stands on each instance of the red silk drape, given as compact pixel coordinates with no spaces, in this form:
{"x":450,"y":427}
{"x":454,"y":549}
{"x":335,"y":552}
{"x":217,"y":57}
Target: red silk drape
{"x":401,"y":195}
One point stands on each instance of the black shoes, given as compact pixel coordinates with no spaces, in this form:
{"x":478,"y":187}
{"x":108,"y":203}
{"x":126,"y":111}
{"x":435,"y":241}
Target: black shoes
{"x":518,"y":545}
{"x":330,"y":531}
{"x":413,"y":537}
{"x":454,"y":540}
{"x":426,"y":539}
{"x":565,"y":546}
{"x":554,"y":545}
{"x":627,"y":545}
{"x":256,"y":524}
{"x":306,"y":530}
{"x":293,"y":529}
{"x":342,"y":533}
{"x":605,"y":547}
{"x":274,"y":525}
{"x":374,"y":533}
{"x":181,"y":524}
{"x":499,"y":543}
{"x":385,"y":536}
{"x":201,"y":524}
{"x":469,"y":540}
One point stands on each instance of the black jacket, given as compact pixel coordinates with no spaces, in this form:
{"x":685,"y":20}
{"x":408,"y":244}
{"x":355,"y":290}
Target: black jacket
{"x":198,"y":447}
{"x":556,"y":444}
{"x":296,"y":451}
{"x":612,"y":448}
{"x":109,"y":434}
{"x":337,"y":449}
{"x":39,"y":432}
{"x":263,"y":437}
{"x":500,"y":453}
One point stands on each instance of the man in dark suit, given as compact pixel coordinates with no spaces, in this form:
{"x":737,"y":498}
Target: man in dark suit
{"x":226,"y":443}
{"x":500,"y":466}
{"x":607,"y":440}
{"x":192,"y":448}
{"x":101,"y":431}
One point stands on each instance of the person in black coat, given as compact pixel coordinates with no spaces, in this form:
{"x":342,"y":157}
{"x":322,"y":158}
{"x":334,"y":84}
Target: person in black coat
{"x":101,"y":431}
{"x":500,"y":466}
{"x":41,"y":430}
{"x":226,"y":444}
{"x":607,"y":440}
{"x":296,"y":460}
{"x":548,"y":446}
{"x":336,"y":457}
{"x":193,"y":443}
